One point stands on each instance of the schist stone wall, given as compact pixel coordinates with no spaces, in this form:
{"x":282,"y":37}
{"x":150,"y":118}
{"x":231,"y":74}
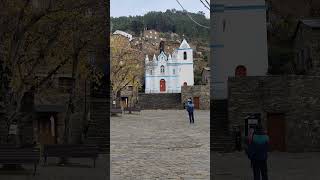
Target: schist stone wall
{"x":297,"y":97}
{"x":200,"y":91}
{"x":160,"y":101}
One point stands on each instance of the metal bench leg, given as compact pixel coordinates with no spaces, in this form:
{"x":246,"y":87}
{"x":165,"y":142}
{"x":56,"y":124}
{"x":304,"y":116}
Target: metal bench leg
{"x":45,"y":160}
{"x":35,"y":169}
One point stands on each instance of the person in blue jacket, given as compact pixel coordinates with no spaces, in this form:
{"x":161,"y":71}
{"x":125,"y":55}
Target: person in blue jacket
{"x":190,"y":109}
{"x":258,"y":153}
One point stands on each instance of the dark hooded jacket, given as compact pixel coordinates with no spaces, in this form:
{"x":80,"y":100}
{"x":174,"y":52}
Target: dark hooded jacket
{"x":258,"y":149}
{"x":190,"y":107}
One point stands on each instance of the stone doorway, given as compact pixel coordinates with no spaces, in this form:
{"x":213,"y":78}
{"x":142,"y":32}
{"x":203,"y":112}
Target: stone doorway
{"x":276,"y":131}
{"x":196,"y":102}
{"x":124,"y":102}
{"x":47,"y":128}
{"x":162,"y":85}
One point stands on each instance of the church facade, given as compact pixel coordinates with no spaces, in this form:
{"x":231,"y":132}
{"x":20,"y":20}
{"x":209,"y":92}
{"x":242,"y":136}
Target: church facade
{"x":166,"y":73}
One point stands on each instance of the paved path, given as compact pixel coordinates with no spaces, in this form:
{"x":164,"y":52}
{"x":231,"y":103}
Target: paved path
{"x":282,"y":166}
{"x":80,"y":169}
{"x":160,"y":145}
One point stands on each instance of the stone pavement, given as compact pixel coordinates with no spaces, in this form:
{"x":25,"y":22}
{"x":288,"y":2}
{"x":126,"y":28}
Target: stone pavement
{"x":160,"y":144}
{"x":80,"y":169}
{"x":282,"y":166}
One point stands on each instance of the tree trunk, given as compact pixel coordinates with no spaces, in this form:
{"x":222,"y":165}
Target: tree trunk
{"x":70,"y":108}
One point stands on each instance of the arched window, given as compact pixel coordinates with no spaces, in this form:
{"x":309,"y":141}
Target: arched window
{"x":162,"y":69}
{"x":150,"y":72}
{"x":173,"y":71}
{"x":185,"y":84}
{"x":185,"y":55}
{"x":241,"y":71}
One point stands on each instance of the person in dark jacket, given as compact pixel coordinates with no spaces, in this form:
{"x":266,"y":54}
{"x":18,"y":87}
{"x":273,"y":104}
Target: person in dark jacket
{"x":190,"y":109}
{"x":258,"y":153}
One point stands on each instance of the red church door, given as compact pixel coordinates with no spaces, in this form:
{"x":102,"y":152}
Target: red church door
{"x":276,"y":131}
{"x":162,"y":85}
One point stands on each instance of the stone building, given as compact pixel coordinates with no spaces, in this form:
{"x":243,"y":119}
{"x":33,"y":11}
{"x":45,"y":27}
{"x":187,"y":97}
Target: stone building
{"x":289,"y":107}
{"x":50,"y":107}
{"x":129,"y":96}
{"x":200,"y":94}
{"x":307,"y":47}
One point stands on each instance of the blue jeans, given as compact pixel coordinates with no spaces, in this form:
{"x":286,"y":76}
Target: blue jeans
{"x":260,"y":168}
{"x":191,"y":117}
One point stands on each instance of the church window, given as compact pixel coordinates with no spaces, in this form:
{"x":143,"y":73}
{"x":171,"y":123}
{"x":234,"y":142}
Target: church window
{"x":185,"y":55}
{"x":150,"y":72}
{"x":174,"y":71}
{"x":162,"y":69}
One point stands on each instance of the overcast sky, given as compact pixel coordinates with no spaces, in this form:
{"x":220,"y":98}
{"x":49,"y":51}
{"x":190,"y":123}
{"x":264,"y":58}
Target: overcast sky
{"x":141,"y":7}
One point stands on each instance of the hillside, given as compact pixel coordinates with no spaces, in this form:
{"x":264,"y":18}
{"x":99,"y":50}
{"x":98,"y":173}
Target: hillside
{"x":170,"y":21}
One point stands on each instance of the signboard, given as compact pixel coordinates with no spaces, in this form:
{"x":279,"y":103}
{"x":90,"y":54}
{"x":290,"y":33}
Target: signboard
{"x":13,"y":130}
{"x":251,"y":121}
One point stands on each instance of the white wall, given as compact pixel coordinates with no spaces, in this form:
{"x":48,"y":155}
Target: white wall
{"x":244,"y":42}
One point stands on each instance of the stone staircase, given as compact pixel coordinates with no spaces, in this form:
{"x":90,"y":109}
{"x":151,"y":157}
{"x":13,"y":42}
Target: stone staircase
{"x":222,"y":140}
{"x":160,"y":101}
{"x":99,"y":124}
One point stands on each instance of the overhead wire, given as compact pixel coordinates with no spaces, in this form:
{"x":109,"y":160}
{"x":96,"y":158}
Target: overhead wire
{"x":191,"y":17}
{"x":205,"y":5}
{"x":208,"y":3}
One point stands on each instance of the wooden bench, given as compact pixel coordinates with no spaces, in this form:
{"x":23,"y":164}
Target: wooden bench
{"x":134,"y":109}
{"x":19,"y":155}
{"x":115,"y":111}
{"x":71,"y":151}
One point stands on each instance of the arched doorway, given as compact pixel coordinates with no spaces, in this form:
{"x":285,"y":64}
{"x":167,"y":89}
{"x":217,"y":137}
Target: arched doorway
{"x":241,"y":71}
{"x":162,"y":85}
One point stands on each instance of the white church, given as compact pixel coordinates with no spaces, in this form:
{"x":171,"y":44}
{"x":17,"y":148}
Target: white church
{"x":166,"y":73}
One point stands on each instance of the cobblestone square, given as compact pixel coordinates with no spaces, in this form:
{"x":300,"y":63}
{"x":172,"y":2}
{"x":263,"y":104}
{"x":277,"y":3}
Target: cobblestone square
{"x":160,"y":144}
